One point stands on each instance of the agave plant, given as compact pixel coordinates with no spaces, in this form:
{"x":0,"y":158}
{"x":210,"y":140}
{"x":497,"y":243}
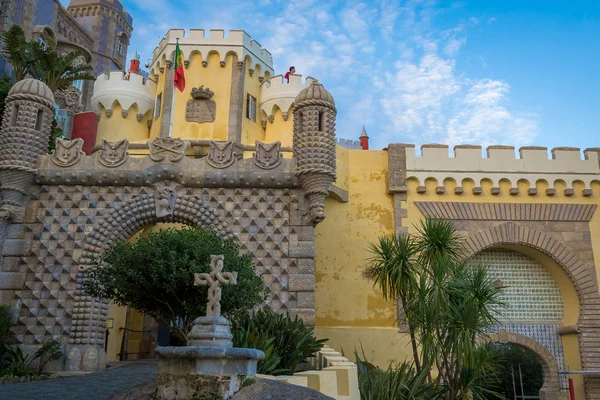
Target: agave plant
{"x":16,"y":363}
{"x":399,"y":381}
{"x":292,"y":341}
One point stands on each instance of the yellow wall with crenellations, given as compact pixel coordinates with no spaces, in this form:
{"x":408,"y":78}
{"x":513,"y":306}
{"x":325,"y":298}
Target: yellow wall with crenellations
{"x":218,"y":80}
{"x":280,"y":130}
{"x":252,"y":130}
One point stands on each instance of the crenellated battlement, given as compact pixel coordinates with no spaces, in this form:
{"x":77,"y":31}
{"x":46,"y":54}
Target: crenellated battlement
{"x":127,"y":91}
{"x":502,"y":164}
{"x":278,"y":93}
{"x":502,"y":158}
{"x":214,"y":41}
{"x":349,"y":144}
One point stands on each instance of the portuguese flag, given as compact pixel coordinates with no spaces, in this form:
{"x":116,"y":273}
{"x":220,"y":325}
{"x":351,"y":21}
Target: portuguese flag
{"x":179,"y":78}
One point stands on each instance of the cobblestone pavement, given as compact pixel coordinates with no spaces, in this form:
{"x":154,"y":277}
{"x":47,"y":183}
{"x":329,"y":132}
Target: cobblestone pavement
{"x":96,"y":386}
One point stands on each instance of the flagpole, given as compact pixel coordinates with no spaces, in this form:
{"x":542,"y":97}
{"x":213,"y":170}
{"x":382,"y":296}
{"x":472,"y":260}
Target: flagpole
{"x":173,"y":96}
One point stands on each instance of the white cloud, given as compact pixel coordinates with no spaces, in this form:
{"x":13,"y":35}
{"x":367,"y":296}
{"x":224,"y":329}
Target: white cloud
{"x":485,"y":119}
{"x":428,"y":102}
{"x":354,"y":23}
{"x":453,"y":46}
{"x":413,"y":96}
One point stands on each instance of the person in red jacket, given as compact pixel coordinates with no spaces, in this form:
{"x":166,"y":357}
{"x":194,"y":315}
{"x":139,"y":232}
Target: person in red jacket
{"x":287,"y":74}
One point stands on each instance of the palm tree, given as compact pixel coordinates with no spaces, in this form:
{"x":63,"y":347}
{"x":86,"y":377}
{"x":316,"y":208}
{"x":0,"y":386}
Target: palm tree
{"x":57,"y":70}
{"x":393,"y":267}
{"x":60,"y":70}
{"x":19,"y":52}
{"x":449,"y":304}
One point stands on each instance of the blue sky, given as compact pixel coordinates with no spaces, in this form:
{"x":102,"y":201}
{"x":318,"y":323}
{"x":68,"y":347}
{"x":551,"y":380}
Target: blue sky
{"x":457,"y":72}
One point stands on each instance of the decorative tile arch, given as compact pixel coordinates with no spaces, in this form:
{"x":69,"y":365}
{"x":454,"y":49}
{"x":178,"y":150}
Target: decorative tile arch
{"x":513,"y":234}
{"x":550,"y":390}
{"x":580,"y":274}
{"x":164,"y":205}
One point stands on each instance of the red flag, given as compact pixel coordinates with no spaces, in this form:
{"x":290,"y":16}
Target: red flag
{"x":179,"y":78}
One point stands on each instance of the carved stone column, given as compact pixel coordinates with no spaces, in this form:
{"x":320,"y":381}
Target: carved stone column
{"x":24,"y":136}
{"x":397,"y":188}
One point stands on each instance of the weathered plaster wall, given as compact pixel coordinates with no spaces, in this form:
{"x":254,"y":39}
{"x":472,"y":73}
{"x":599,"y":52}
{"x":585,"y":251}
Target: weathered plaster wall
{"x":156,"y":123}
{"x":280,"y":130}
{"x":349,"y":310}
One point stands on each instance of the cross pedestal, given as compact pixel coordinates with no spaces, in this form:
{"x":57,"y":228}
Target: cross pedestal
{"x":213,"y":330}
{"x":209,"y":365}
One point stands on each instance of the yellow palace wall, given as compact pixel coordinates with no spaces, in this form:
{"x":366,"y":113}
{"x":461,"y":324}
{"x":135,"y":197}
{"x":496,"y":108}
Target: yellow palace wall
{"x":217,"y":79}
{"x":251,"y":130}
{"x":349,"y":311}
{"x":156,"y":122}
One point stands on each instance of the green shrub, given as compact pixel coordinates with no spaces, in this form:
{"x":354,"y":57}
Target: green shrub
{"x":399,"y":382}
{"x":286,"y":342}
{"x":155,"y":276}
{"x":6,"y":334}
{"x":5,"y":85}
{"x":17,"y":363}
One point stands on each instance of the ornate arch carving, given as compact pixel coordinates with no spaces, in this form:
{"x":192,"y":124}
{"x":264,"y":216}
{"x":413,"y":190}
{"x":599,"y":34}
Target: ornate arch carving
{"x":164,"y":205}
{"x":511,"y":233}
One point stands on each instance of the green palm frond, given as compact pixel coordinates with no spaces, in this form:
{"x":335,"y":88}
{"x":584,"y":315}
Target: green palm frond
{"x":392,"y":265}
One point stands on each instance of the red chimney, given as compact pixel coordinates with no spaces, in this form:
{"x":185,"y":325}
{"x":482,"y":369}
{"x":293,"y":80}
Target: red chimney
{"x":364,"y":139}
{"x":134,"y":64}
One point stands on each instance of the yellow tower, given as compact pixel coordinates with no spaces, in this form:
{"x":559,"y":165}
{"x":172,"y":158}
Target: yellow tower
{"x":123,"y":104}
{"x":223,"y":79}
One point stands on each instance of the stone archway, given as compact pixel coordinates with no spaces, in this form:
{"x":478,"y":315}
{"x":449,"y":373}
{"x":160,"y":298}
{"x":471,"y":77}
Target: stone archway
{"x":163,"y":206}
{"x":581,"y":274}
{"x":551,"y":387}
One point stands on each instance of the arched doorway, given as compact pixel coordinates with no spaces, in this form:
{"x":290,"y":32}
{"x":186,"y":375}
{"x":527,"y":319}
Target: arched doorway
{"x":534,"y":311}
{"x":519,"y":374}
{"x":165,"y":205}
{"x":132,"y":335}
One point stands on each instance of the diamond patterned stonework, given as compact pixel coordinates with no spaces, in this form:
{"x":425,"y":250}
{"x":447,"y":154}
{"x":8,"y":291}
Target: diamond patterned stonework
{"x":78,"y":222}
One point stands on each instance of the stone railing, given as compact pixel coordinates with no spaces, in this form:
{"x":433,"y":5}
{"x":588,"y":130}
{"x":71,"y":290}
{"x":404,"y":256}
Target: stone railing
{"x":331,"y":374}
{"x":223,"y":166}
{"x":501,"y":164}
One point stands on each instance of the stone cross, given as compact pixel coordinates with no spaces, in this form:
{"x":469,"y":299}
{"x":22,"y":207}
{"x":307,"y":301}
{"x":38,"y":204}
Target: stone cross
{"x":214,"y":281}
